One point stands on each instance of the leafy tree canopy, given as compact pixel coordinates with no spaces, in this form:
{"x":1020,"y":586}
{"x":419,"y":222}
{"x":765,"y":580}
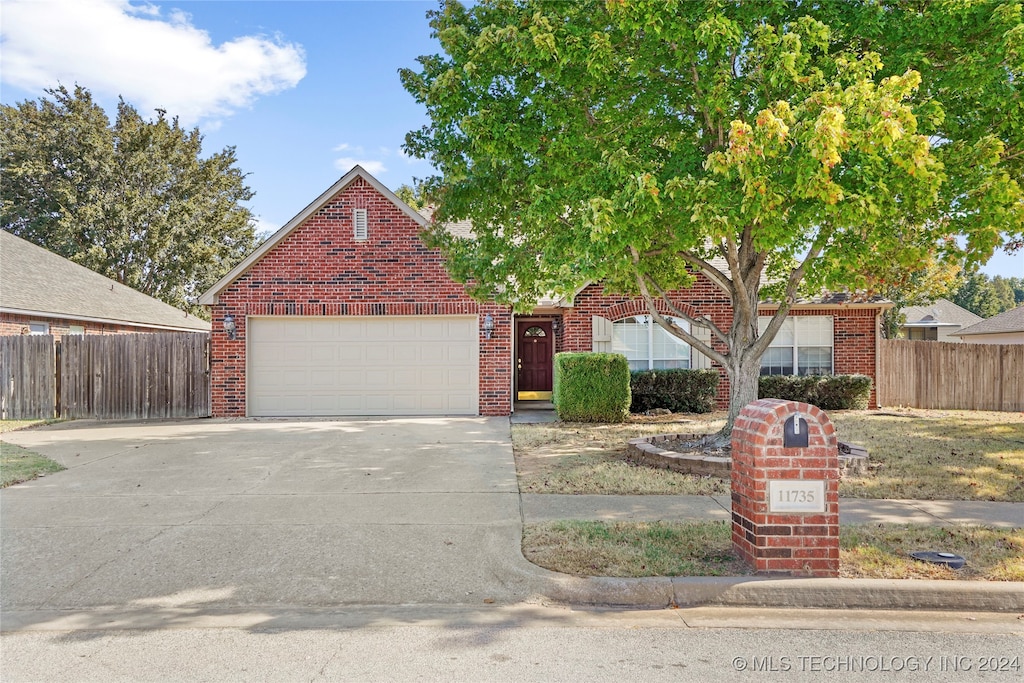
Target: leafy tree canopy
{"x":135,"y":201}
{"x":986,"y":296}
{"x":416,"y":195}
{"x":808,"y":146}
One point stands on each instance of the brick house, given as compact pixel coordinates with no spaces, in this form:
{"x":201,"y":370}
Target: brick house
{"x":345,"y":311}
{"x":43,"y":293}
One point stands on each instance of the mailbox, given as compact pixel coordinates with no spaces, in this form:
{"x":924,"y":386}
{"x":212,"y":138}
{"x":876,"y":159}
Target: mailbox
{"x":794,"y":432}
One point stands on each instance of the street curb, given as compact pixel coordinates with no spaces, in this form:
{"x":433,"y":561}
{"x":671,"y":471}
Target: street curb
{"x":890,"y":594}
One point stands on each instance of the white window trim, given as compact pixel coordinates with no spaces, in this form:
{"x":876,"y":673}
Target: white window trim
{"x":360,"y":228}
{"x":649,"y":323}
{"x":45,"y":325}
{"x":795,"y":346}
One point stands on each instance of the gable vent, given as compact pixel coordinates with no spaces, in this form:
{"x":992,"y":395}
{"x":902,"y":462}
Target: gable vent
{"x":360,"y":230}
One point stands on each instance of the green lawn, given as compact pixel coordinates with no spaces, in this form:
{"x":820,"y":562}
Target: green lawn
{"x":18,"y":464}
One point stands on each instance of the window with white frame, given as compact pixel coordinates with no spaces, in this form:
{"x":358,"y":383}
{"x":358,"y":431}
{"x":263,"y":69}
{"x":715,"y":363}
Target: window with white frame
{"x":76,"y":329}
{"x":36,"y":327}
{"x":648,"y":346}
{"x":803,"y":346}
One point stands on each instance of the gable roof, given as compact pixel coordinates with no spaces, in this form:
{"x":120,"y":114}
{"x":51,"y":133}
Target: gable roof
{"x":34,"y":281}
{"x":210,"y":296}
{"x":939,"y":313}
{"x":1006,"y":322}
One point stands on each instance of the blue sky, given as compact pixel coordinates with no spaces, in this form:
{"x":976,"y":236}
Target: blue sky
{"x":301,"y":88}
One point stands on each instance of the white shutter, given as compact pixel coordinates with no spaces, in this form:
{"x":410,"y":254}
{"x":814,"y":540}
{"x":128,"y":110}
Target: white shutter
{"x":698,"y":361}
{"x":602,"y":334}
{"x":360,"y":230}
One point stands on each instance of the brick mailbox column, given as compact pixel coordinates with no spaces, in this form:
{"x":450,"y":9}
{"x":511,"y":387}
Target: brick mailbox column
{"x":785,"y":489}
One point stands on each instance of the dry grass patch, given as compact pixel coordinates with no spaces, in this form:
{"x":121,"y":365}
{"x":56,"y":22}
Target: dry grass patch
{"x":915,"y":454}
{"x":18,"y":464}
{"x":882,"y":551}
{"x":936,"y":454}
{"x":14,"y":425}
{"x":631,"y":549}
{"x":591,"y":458}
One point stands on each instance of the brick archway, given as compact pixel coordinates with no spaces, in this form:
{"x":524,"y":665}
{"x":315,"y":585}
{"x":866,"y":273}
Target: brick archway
{"x":628,"y":309}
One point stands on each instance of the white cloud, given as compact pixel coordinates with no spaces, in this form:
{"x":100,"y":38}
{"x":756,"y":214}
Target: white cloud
{"x":357,"y":156}
{"x":373,"y":167}
{"x":115,"y":48}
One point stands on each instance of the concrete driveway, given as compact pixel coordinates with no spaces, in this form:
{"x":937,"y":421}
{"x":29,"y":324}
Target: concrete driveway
{"x":185,"y":516}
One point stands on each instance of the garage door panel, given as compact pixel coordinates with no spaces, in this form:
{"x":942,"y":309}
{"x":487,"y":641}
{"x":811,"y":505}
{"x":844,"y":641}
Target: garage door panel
{"x":363,"y":366}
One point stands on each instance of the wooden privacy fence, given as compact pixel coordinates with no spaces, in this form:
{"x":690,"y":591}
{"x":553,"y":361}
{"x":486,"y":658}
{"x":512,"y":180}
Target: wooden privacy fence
{"x":28,"y":371}
{"x":951,"y":376}
{"x":128,"y":376}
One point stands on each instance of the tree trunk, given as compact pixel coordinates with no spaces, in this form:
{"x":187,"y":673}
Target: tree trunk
{"x":743,"y":381}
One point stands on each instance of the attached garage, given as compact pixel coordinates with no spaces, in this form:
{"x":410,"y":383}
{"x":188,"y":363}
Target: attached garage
{"x":367,"y":365}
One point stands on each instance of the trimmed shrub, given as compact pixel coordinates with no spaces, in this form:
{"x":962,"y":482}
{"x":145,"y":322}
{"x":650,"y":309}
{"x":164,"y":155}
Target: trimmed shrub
{"x":681,"y":391}
{"x":828,"y":392}
{"x":591,"y":387}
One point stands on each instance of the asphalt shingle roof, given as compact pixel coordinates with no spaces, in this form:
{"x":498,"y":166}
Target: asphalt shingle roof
{"x":939,"y":312}
{"x":34,"y":280}
{"x":1007,"y":321}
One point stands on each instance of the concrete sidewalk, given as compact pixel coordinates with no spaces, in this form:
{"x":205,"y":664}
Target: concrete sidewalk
{"x":538,"y":507}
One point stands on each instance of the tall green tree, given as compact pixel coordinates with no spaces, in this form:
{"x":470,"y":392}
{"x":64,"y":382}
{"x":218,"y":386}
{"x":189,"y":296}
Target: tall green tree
{"x":982,"y":295}
{"x":931,"y":280}
{"x":640,"y":143}
{"x":135,"y":200}
{"x":416,"y":195}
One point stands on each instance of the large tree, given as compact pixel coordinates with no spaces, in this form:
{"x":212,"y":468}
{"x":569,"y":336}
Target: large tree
{"x":641,"y":143}
{"x":134,"y":200}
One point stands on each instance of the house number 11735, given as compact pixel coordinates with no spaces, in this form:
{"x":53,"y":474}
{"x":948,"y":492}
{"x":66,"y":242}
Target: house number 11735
{"x":787,"y":495}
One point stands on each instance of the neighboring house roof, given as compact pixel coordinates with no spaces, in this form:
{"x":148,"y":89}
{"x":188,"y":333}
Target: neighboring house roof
{"x":463,"y":228}
{"x":940,"y":313}
{"x":210,"y":296}
{"x":1004,"y":323}
{"x":34,"y":281}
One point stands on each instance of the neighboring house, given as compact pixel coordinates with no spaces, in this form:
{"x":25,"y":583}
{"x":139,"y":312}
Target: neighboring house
{"x":1005,"y":328}
{"x":937,"y":321}
{"x":43,"y":293}
{"x":345,"y":311}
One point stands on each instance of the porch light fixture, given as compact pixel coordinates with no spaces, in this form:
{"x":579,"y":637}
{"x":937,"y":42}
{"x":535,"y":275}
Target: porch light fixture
{"x":229,"y":326}
{"x":488,"y":326}
{"x":555,"y":325}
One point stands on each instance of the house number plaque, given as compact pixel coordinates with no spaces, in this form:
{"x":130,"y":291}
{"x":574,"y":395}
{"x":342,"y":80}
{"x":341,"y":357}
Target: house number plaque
{"x":800,"y":496}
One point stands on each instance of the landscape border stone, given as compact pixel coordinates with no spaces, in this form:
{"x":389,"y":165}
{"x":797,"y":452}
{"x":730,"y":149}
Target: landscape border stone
{"x":646,"y":450}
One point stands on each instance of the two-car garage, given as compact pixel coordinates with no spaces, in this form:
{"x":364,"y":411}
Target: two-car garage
{"x":362,"y":365}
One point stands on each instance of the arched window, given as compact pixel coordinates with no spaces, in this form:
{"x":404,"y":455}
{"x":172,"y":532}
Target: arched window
{"x":648,"y":346}
{"x":535,"y":332}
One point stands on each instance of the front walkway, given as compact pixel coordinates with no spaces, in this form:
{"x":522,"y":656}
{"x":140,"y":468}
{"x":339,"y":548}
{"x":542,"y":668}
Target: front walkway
{"x":542,"y":507}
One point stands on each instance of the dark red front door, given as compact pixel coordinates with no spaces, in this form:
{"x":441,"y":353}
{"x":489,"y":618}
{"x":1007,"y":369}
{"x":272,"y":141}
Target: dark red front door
{"x":535,"y":345}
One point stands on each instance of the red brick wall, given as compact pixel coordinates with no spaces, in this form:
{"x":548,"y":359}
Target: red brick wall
{"x":13,"y":323}
{"x":320,"y":269}
{"x":854,"y":329}
{"x":776,"y":542}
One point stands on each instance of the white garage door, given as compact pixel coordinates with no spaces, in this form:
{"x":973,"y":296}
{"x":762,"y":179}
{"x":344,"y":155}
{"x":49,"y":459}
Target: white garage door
{"x":422,"y":365}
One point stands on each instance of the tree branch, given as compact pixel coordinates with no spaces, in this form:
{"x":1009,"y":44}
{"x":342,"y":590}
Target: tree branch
{"x":666,"y":324}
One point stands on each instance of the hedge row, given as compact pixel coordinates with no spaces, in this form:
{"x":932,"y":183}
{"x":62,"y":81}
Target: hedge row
{"x":598,"y":387}
{"x":681,"y":391}
{"x":828,"y":392}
